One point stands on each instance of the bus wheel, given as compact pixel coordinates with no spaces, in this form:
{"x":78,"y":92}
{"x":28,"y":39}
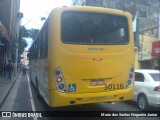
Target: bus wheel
{"x":37,"y":89}
{"x":143,"y":102}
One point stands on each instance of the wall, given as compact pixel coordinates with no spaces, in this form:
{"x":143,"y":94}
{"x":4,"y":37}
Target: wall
{"x":5,"y":12}
{"x":145,"y":51}
{"x":137,"y":63}
{"x":146,"y":42}
{"x":8,"y":16}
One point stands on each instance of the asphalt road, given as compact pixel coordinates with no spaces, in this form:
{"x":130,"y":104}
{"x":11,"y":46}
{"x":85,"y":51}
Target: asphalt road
{"x":21,"y":99}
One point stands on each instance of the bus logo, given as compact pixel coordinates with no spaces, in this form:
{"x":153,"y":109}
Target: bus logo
{"x":72,"y":87}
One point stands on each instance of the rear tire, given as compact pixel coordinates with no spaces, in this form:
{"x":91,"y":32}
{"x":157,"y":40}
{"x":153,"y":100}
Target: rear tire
{"x":143,"y":102}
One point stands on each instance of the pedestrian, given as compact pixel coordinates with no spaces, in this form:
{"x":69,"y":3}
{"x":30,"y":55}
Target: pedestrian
{"x":24,"y":70}
{"x":9,"y":70}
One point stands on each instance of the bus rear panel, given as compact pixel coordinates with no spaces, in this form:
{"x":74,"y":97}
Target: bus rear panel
{"x":90,"y":56}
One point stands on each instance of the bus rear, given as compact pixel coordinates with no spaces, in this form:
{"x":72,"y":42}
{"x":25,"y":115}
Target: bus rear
{"x":91,"y":56}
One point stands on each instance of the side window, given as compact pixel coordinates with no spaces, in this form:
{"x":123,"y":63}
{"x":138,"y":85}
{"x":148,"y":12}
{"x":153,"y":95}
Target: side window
{"x":36,"y":49}
{"x":31,"y":53}
{"x":45,"y":40}
{"x":38,"y":46}
{"x":139,"y":77}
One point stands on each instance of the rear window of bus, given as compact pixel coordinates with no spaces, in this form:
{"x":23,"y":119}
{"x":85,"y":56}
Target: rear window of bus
{"x":94,"y":28}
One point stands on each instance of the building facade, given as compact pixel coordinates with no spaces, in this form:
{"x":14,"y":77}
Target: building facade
{"x":9,"y":29}
{"x":145,"y":51}
{"x":146,"y":8}
{"x":25,"y":60}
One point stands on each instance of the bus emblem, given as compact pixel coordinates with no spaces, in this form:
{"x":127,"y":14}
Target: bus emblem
{"x":96,"y":49}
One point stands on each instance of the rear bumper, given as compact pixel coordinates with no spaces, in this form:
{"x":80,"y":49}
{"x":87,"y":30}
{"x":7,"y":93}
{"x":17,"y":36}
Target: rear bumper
{"x":154,"y":100}
{"x":57,"y":99}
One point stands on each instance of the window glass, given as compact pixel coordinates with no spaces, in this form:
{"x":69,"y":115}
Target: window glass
{"x":94,"y":28}
{"x":43,"y":43}
{"x":45,"y":40}
{"x":155,"y":76}
{"x":31,"y":53}
{"x":39,"y":45}
{"x":39,"y":48}
{"x":139,"y":77}
{"x":35,"y":51}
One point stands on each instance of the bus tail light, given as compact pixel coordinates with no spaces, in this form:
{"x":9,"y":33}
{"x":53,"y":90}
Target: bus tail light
{"x":59,"y":80}
{"x":130,"y":77}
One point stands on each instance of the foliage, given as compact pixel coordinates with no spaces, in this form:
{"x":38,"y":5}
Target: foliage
{"x":33,"y":33}
{"x":22,"y":45}
{"x":24,"y":33}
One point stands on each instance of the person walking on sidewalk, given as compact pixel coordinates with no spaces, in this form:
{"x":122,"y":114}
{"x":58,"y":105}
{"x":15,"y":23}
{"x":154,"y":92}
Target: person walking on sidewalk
{"x":9,"y":70}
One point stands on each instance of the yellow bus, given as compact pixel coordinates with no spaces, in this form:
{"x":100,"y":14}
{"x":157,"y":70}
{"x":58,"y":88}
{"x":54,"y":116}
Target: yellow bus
{"x":84,"y":55}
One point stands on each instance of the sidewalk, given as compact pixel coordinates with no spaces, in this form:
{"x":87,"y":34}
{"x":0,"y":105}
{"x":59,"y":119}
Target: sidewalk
{"x":5,"y":88}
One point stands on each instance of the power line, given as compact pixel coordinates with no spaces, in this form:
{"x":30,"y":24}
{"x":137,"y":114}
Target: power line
{"x":31,"y":21}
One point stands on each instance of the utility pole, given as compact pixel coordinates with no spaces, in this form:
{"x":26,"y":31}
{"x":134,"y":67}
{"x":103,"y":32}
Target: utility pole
{"x":16,"y":57}
{"x":20,"y":15}
{"x":137,"y":33}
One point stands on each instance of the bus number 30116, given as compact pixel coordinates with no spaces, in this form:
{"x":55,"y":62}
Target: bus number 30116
{"x":113,"y":86}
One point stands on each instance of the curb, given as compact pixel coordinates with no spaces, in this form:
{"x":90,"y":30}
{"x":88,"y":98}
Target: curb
{"x":4,"y":99}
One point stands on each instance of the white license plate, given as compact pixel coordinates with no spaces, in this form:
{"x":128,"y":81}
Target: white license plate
{"x":97,"y":82}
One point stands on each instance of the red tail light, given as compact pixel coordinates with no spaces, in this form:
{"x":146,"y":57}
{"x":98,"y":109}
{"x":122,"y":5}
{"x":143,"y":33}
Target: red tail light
{"x":157,"y":89}
{"x":130,"y":75}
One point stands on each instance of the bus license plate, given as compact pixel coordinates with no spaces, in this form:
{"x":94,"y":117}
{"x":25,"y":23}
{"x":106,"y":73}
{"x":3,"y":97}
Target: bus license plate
{"x":97,"y":82}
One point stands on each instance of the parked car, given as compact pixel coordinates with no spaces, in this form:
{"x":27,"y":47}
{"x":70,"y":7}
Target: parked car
{"x":147,"y":88}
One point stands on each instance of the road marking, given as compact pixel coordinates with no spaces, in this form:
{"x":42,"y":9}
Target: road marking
{"x":31,"y":98}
